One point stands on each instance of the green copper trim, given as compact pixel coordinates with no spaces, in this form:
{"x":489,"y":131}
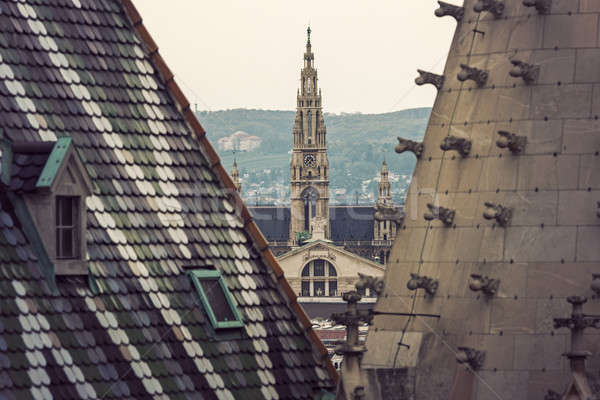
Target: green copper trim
{"x":198,"y":275}
{"x":7,"y":158}
{"x":55,"y":160}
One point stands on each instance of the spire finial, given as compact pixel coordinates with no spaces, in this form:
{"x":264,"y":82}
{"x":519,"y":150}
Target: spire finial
{"x":308,"y":33}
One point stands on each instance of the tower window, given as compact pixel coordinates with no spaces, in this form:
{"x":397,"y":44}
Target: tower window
{"x":216,"y":299}
{"x":67,"y":233}
{"x":310,"y":206}
{"x":309,"y":119}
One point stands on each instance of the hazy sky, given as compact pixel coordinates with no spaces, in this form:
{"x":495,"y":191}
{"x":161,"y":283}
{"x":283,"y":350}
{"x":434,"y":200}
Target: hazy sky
{"x":248,"y":54}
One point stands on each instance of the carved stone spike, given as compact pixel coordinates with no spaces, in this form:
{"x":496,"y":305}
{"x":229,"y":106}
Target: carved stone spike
{"x":403,"y":145}
{"x":450,"y":9}
{"x":489,"y":286}
{"x":429,"y":77}
{"x":515,"y":143}
{"x":477,"y":75}
{"x":496,"y":7}
{"x":473,"y":358}
{"x":444,"y":214}
{"x":528,"y":72}
{"x":423,"y":282}
{"x":462,"y":145}
{"x":596,"y":284}
{"x":501,"y":214}
{"x":372,"y":282}
{"x":542,"y":6}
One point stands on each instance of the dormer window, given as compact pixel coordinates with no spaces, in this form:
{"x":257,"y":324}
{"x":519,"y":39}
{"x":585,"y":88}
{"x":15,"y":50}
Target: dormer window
{"x":67,"y":232}
{"x":51,"y":182}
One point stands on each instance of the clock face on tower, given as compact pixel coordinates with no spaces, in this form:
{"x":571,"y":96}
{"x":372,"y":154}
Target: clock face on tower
{"x":310,"y":160}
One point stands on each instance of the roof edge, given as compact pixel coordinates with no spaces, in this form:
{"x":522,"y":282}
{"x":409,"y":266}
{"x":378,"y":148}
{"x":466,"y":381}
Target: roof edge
{"x":334,"y":247}
{"x":215,"y":162}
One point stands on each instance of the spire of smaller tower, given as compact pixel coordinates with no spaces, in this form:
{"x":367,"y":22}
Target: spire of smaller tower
{"x":384,"y":167}
{"x":384,"y":194}
{"x":308,"y":34}
{"x":235,"y":176}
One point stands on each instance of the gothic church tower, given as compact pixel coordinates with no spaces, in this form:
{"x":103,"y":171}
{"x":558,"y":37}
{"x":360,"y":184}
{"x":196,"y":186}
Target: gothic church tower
{"x":309,"y":167}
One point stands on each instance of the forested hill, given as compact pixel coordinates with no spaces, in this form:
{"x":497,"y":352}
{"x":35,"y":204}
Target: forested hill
{"x":357,"y":144}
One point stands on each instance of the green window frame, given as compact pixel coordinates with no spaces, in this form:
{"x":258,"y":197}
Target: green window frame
{"x":200,"y":275}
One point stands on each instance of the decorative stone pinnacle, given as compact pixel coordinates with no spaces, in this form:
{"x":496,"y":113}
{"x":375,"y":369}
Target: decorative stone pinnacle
{"x":429,"y":77}
{"x":528,"y":72}
{"x":308,"y":31}
{"x":578,"y":320}
{"x":423,"y":282}
{"x":444,"y":214}
{"x":472,"y":357}
{"x":489,"y":286}
{"x":496,"y":7}
{"x":501,"y":214}
{"x":462,"y":145}
{"x":515,"y":143}
{"x":542,"y":6}
{"x":403,"y":145}
{"x":477,"y":75}
{"x":450,"y":9}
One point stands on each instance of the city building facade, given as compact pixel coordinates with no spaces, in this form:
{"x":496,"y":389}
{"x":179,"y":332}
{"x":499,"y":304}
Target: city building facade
{"x":307,"y":234}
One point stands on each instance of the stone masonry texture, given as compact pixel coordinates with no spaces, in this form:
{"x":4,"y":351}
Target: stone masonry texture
{"x":547,"y":252}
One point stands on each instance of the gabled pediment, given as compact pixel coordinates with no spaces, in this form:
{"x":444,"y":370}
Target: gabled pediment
{"x":325,"y":249}
{"x":64,"y":172}
{"x":29,"y":167}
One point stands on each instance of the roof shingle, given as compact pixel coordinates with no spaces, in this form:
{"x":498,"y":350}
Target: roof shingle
{"x":161,"y":203}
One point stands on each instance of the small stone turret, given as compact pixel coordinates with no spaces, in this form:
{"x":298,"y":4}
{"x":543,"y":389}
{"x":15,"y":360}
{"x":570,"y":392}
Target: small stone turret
{"x":387,"y":216}
{"x":235,"y":177}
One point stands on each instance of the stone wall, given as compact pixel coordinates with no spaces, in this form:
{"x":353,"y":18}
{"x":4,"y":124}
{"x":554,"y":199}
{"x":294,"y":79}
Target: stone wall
{"x":549,"y":248}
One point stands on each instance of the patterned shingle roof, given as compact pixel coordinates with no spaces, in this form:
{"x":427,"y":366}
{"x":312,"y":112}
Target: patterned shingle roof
{"x":27,"y":165}
{"x":161,"y":202}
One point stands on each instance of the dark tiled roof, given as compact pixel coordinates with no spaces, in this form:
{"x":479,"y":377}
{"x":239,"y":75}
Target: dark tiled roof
{"x":351,"y":223}
{"x":26,"y":169}
{"x":273,"y":221}
{"x":161,"y":200}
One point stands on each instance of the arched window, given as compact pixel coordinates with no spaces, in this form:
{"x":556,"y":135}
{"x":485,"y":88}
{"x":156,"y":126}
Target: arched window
{"x":319,"y":279}
{"x":310,"y":196}
{"x":309,"y":128}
